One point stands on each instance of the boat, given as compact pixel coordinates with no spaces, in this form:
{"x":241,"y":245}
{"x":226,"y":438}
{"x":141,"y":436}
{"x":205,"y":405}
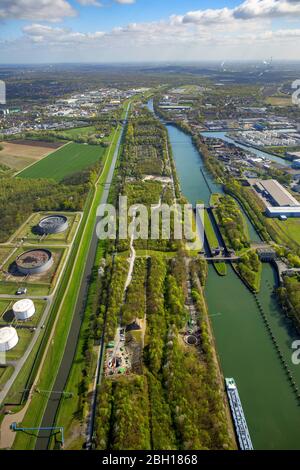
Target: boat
{"x":238,"y":415}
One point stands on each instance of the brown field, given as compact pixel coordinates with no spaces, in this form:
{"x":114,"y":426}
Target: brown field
{"x":280,"y":101}
{"x":20,"y":155}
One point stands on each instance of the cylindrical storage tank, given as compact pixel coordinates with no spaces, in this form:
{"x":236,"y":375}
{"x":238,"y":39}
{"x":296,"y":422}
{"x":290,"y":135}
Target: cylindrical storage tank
{"x":53,"y":224}
{"x":24,"y":309}
{"x":8,"y":338}
{"x":34,"y":262}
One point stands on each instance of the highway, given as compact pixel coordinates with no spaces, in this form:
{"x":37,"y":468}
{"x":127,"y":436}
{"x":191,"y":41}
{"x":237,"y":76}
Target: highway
{"x":66,"y":364}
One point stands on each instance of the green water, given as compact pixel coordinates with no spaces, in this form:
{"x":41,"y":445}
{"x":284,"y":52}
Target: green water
{"x":244,"y":345}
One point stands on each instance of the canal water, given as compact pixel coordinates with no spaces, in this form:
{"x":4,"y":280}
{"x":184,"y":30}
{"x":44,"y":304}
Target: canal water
{"x":244,"y":345}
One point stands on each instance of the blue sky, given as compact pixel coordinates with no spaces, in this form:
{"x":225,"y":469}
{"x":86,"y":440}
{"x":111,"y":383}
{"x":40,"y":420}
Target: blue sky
{"x":147,"y":30}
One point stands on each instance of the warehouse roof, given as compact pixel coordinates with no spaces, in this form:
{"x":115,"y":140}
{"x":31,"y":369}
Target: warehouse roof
{"x":279,"y":194}
{"x":284,"y":210}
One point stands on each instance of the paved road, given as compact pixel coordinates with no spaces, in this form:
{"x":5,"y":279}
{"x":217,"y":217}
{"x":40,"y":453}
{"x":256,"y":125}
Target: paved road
{"x":66,"y":364}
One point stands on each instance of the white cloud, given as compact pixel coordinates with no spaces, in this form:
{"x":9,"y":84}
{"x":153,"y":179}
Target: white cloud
{"x":93,"y":3}
{"x":267,"y":9}
{"x":48,"y":35}
{"x":239,"y":32}
{"x":47,"y":10}
{"x":207,"y":16}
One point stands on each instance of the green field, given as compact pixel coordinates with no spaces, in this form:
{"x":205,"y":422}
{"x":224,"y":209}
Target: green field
{"x":71,"y":158}
{"x":76,"y":131}
{"x":5,"y":373}
{"x":292,"y":228}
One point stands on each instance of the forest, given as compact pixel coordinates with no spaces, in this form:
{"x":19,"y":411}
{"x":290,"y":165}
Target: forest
{"x":20,"y":197}
{"x":289,"y":297}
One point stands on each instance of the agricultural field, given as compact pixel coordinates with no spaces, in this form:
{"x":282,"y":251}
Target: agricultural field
{"x":79,"y":131}
{"x":280,"y":101}
{"x":71,"y":158}
{"x":18,"y":156}
{"x":29,"y":234}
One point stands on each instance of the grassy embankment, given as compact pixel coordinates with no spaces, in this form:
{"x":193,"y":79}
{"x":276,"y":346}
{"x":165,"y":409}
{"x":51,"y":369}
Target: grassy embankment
{"x":64,"y":305}
{"x":213,"y":243}
{"x":235,"y":233}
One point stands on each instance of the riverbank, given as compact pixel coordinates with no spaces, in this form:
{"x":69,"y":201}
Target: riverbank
{"x":244,"y":345}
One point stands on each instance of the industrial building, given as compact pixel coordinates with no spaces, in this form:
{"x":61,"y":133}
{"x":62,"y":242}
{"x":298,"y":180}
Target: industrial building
{"x":53,"y":224}
{"x":266,"y":254}
{"x":34,"y":262}
{"x":8,"y":338}
{"x":24,"y":309}
{"x":283,"y":212}
{"x":275,"y":193}
{"x":279,"y":202}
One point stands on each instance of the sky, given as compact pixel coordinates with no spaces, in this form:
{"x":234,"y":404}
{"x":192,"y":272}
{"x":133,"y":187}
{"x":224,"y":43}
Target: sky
{"x":113,"y":31}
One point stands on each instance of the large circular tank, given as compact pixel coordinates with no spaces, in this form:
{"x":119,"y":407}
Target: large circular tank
{"x":8,"y":338}
{"x":34,"y":262}
{"x":53,"y":224}
{"x":24,"y":309}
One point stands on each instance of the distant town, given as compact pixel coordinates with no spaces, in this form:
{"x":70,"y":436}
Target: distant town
{"x":140,"y":343}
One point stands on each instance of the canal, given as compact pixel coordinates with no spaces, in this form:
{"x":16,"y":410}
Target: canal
{"x":244,"y":344}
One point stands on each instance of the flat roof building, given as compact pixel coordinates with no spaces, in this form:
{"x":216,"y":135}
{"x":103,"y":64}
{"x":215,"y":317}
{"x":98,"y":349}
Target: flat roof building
{"x":278,"y":194}
{"x":283,"y":211}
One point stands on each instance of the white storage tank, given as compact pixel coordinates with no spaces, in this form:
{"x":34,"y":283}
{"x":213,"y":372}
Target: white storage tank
{"x":24,"y":309}
{"x":8,"y":338}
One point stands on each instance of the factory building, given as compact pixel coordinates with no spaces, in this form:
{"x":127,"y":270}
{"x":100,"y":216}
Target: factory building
{"x":283,"y":212}
{"x":8,"y":338}
{"x":24,"y":309}
{"x":279,"y":202}
{"x":276,"y":193}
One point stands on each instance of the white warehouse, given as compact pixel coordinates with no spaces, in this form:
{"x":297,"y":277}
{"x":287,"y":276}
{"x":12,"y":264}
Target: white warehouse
{"x":283,"y":212}
{"x":8,"y":338}
{"x":24,"y":309}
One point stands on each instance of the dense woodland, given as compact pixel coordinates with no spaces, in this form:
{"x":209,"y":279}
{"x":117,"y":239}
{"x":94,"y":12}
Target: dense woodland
{"x":176,"y":402}
{"x":20,"y":197}
{"x":289,"y":296}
